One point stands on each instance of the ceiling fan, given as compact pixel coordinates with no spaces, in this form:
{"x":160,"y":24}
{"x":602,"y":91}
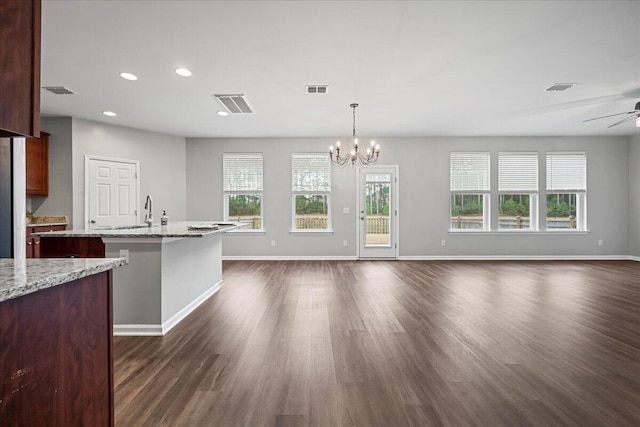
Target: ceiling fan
{"x":630,"y":114}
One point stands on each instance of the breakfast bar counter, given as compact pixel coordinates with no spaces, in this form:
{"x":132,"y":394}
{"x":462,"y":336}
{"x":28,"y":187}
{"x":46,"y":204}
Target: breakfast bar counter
{"x":172,"y":269}
{"x":56,"y":362}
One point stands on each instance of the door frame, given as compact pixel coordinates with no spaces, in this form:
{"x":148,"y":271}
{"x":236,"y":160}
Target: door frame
{"x":395,"y":186}
{"x":87,"y":160}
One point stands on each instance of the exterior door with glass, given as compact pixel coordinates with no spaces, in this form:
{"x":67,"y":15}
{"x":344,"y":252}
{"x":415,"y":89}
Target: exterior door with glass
{"x":378,"y":212}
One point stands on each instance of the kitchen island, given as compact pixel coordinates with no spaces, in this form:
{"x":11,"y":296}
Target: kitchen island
{"x":172,"y":269}
{"x":56,"y":362}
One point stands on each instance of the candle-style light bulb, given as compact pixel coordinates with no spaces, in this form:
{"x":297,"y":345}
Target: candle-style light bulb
{"x":355,"y":141}
{"x":353,"y":153}
{"x":378,"y":147}
{"x":638,"y":121}
{"x":338,"y":144}
{"x":368,"y":151}
{"x":373,"y":143}
{"x":331,"y":148}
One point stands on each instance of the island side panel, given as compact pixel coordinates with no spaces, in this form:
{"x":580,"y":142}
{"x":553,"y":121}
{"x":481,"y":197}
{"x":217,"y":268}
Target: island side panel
{"x":136,"y":286}
{"x":191,"y":273}
{"x":59,"y":370}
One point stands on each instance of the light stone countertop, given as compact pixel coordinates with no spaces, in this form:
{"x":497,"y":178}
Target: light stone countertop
{"x":47,"y":224}
{"x":173,"y":230}
{"x":22,"y":277}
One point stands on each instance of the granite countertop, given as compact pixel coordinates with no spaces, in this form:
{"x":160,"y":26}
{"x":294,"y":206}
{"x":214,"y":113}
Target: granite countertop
{"x":173,"y":230}
{"x":48,"y":224}
{"x":22,"y":277}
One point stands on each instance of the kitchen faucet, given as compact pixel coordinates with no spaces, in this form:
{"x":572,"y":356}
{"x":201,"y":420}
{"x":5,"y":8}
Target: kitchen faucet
{"x":148,"y":218}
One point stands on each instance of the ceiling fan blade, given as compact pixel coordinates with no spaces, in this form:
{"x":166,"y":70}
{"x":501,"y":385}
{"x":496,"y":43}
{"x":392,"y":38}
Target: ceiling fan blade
{"x":610,"y":115}
{"x":626,"y":119}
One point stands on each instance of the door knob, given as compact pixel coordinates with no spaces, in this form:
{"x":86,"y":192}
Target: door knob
{"x":362,"y":218}
{"x":93,"y":221}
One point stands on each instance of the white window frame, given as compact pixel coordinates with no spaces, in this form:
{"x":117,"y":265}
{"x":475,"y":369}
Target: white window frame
{"x":517,"y":190}
{"x":313,"y":192}
{"x":486,"y":195}
{"x":227,"y":193}
{"x":581,"y":194}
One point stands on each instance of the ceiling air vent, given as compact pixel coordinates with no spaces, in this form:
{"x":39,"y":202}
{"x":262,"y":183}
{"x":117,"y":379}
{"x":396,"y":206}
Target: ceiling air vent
{"x":559,"y":87}
{"x":235,"y":104}
{"x":59,"y":90}
{"x":317,"y":88}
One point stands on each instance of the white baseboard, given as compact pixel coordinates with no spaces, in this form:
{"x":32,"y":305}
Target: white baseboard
{"x":137,"y":330}
{"x":288,"y":258}
{"x":634,"y":258}
{"x":516,"y":258}
{"x":160,"y":330}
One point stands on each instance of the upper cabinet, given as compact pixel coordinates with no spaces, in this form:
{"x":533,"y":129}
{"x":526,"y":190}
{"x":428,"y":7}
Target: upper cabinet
{"x":37,"y":163}
{"x":20,"y":67}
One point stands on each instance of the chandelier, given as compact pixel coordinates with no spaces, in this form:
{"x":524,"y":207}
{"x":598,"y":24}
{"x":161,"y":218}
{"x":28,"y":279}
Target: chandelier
{"x":354,"y":155}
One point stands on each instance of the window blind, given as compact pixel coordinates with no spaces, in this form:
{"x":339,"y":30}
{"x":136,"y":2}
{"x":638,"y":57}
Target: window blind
{"x":469,"y":171}
{"x":242,"y":172}
{"x":567,"y":172}
{"x":310,"y":172}
{"x":518,"y":172}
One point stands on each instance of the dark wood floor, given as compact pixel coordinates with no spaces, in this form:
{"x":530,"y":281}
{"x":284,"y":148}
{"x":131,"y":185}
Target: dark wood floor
{"x":394,"y":344}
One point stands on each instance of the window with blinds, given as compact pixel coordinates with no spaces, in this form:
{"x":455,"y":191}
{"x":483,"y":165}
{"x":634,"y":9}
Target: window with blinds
{"x":310,"y":172}
{"x":566,"y":172}
{"x":243,"y":185}
{"x":311,"y":189}
{"x":470,"y":185}
{"x":242,"y":172}
{"x":566,"y":191}
{"x":518,"y":190}
{"x":469,"y":171}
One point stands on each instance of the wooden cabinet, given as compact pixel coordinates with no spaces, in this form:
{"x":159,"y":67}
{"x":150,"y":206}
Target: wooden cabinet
{"x":56,"y":357}
{"x":34,"y":242}
{"x":20,"y":67}
{"x":37,"y":162}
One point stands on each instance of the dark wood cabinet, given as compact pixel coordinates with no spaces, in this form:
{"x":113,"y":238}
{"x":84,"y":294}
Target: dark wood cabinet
{"x":34,"y":242}
{"x":56,"y":360}
{"x":37,"y":162}
{"x":72,"y":247}
{"x":20,"y":67}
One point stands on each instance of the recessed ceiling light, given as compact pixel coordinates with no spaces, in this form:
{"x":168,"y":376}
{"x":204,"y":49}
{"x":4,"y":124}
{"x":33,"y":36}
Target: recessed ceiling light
{"x":222,"y":113}
{"x":183,"y":72}
{"x":559,"y":87}
{"x":128,"y":76}
{"x":109,"y":113}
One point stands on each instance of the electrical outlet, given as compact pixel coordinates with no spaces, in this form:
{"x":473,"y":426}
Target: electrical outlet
{"x":345,"y":211}
{"x":600,"y":243}
{"x":273,"y":243}
{"x":124,"y":253}
{"x":345,"y":243}
{"x":443,"y":243}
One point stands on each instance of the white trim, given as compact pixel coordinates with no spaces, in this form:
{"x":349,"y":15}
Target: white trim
{"x":633,"y":258}
{"x":179,"y":316}
{"x":510,"y":232}
{"x":514,"y":258}
{"x":87,"y":160}
{"x":288,"y":258}
{"x":137,"y":330}
{"x":160,"y":330}
{"x":304,"y":231}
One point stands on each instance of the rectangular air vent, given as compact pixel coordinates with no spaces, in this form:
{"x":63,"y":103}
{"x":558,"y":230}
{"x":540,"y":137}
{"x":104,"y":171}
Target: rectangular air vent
{"x":59,"y":90}
{"x":235,"y":104}
{"x":559,"y":87}
{"x":317,"y":89}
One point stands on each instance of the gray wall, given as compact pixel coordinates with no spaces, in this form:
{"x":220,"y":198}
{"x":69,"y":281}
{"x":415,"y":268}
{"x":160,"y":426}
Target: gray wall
{"x":162,"y":164}
{"x":60,"y":200}
{"x":424,"y":197}
{"x":634,"y":196}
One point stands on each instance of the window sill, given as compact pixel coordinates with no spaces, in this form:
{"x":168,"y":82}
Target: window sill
{"x":310,"y":232}
{"x":510,"y":232}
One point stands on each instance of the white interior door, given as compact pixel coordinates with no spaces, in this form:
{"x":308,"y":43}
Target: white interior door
{"x":111,"y":192}
{"x":378,"y":212}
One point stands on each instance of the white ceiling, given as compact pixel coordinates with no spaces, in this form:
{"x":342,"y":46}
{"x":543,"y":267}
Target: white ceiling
{"x":417,"y":68}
